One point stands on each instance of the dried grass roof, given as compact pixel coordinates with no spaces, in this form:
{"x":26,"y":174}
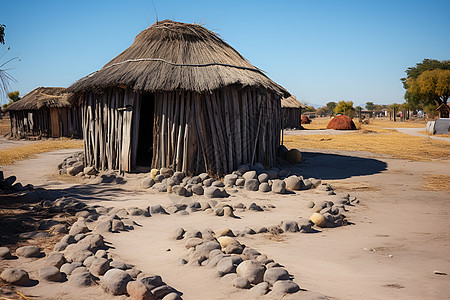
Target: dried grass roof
{"x":291,"y":102}
{"x":170,"y":56}
{"x":42,"y":97}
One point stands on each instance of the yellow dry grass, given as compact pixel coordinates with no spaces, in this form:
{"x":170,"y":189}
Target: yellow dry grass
{"x":380,"y":141}
{"x":437,"y":183}
{"x":321,"y":123}
{"x":11,"y":155}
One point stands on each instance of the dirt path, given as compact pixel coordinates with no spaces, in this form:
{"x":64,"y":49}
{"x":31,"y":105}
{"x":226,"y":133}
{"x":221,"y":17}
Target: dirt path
{"x":417,"y":132}
{"x":399,"y":236}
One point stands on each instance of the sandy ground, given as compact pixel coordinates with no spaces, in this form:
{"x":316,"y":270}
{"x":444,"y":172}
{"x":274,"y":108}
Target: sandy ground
{"x":399,"y":234}
{"x":6,"y":143}
{"x":417,"y":132}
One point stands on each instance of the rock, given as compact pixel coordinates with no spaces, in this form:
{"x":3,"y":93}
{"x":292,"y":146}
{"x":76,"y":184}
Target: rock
{"x":75,"y":169}
{"x":219,"y":211}
{"x":116,"y":264}
{"x":8,"y":182}
{"x":274,"y":274}
{"x":90,"y":171}
{"x":115,"y":281}
{"x":255,"y":207}
{"x":294,"y":156}
{"x":117,"y":225}
{"x":103,"y":226}
{"x":80,"y":280}
{"x":281,"y":287}
{"x":264,"y":187}
{"x":242,"y":169}
{"x":138,"y":291}
{"x":249,"y":175}
{"x":230,"y":179}
{"x":192,"y":233}
{"x":251,"y":184}
{"x":67,"y":268}
{"x":241,"y":283}
{"x":181,"y":262}
{"x":178,"y":234}
{"x":240,"y":182}
{"x":234,"y":248}
{"x":278,"y":186}
{"x":208,"y":182}
{"x":88,"y":261}
{"x":263,"y":259}
{"x":79,"y":270}
{"x":172,"y":296}
{"x":58,"y":228}
{"x":151,"y":282}
{"x":101,"y":254}
{"x":226,"y":266}
{"x":251,"y":270}
{"x":318,"y":219}
{"x":159,"y":178}
{"x":15,"y":276}
{"x":50,"y":273}
{"x":290,"y":226}
{"x":197,"y":189}
{"x":272,"y":174}
{"x":193,"y":242}
{"x":133,"y":272}
{"x":260,"y":289}
{"x":228,"y":211}
{"x":213,"y":192}
{"x":250,"y":253}
{"x":5,"y":253}
{"x":94,"y":242}
{"x":157,"y":209}
{"x":29,"y":251}
{"x":162,"y":291}
{"x":153,"y":173}
{"x":263,"y":177}
{"x":218,"y":183}
{"x":273,"y":265}
{"x":261,"y":229}
{"x":78,"y":227}
{"x":293,"y":183}
{"x":283,"y":174}
{"x":166,"y":172}
{"x":307,"y":184}
{"x":214,"y":253}
{"x":99,"y":266}
{"x":55,"y":259}
{"x":202,"y":252}
{"x":136,"y":211}
{"x":225,"y":232}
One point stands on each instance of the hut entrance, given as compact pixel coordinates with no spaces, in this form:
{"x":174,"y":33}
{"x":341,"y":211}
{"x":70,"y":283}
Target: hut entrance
{"x":145,"y":136}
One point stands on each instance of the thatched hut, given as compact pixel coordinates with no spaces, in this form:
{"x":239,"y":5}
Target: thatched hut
{"x":341,"y":122}
{"x":292,"y":110}
{"x":44,"y":112}
{"x":179,"y":97}
{"x":443,"y":110}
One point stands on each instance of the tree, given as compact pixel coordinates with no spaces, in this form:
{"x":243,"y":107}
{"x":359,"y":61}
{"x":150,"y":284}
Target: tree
{"x":323,"y":111}
{"x":345,"y":108}
{"x":370,"y":106}
{"x":331,"y":105}
{"x":422,"y":81}
{"x":13,"y":97}
{"x":309,"y":109}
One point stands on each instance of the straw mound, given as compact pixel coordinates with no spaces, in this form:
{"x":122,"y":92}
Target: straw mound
{"x":341,"y":122}
{"x":305,"y":120}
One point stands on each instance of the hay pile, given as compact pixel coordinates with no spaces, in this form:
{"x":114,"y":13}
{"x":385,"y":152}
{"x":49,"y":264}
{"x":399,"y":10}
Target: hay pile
{"x":341,"y":122}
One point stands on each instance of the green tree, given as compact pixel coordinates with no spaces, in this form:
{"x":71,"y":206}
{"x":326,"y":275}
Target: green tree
{"x":14,"y":96}
{"x":345,"y":108}
{"x":417,"y":97}
{"x":323,"y":111}
{"x":331,"y":105}
{"x":370,"y":106}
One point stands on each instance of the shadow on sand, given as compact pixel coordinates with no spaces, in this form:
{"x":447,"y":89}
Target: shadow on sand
{"x":336,"y":166}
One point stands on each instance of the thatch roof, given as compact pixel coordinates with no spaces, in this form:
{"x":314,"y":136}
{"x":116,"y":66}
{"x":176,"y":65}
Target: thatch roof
{"x":42,"y":97}
{"x":170,"y":56}
{"x":291,"y":102}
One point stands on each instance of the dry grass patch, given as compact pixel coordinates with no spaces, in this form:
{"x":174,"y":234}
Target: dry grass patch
{"x":353,"y":186}
{"x":321,"y":123}
{"x":11,"y":155}
{"x":389,"y":142}
{"x":437,"y":183}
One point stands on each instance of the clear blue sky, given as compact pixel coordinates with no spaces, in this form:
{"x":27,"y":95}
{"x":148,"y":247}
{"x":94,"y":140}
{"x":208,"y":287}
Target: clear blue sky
{"x":320,"y":50}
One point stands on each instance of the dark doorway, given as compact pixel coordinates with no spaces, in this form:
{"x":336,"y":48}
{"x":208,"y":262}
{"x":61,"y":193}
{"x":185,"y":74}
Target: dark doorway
{"x":145,"y":139}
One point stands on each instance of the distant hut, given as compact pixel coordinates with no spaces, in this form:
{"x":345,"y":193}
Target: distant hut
{"x":305,"y":119}
{"x":44,"y":112}
{"x":292,"y":110}
{"x":179,"y":97}
{"x":444,"y":110}
{"x":341,"y":122}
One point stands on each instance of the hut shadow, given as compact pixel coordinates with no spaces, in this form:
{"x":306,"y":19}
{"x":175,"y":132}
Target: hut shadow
{"x":335,"y":166}
{"x":89,"y":192}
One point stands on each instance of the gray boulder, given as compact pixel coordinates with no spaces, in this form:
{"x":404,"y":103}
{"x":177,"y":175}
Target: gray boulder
{"x":278,"y":186}
{"x":263,"y":177}
{"x":240,"y":182}
{"x":15,"y":276}
{"x":260,"y":289}
{"x":157,"y":209}
{"x":230,"y":179}
{"x":272,"y":275}
{"x":178,"y":234}
{"x":67,"y":268}
{"x":281,"y":287}
{"x":225,"y":266}
{"x":150,"y":282}
{"x":50,"y":273}
{"x":80,"y":280}
{"x":251,"y":270}
{"x":290,"y":226}
{"x":293,"y":183}
{"x":29,"y":251}
{"x":103,"y":226}
{"x":99,"y":266}
{"x":251,"y":184}
{"x":55,"y":259}
{"x":213,"y":192}
{"x":197,"y":189}
{"x":249,"y":175}
{"x":264,"y":187}
{"x":241,"y":283}
{"x":115,"y":282}
{"x":75,"y":169}
{"x":5,"y":253}
{"x":78,"y":227}
{"x":117,"y":225}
